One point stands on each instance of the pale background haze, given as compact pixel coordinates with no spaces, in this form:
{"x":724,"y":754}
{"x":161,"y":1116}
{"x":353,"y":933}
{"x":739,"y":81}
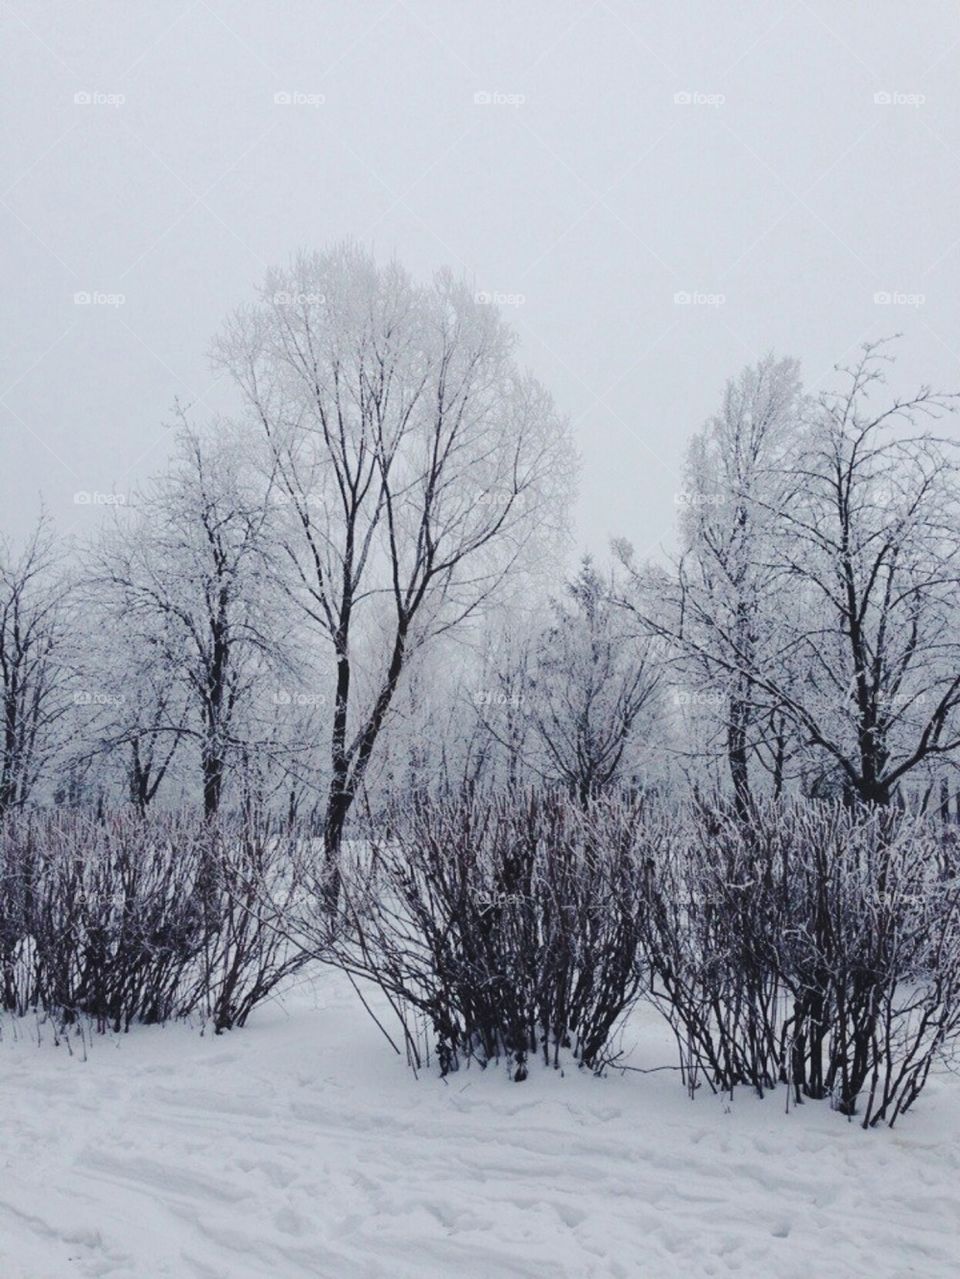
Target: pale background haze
{"x":784,"y":186}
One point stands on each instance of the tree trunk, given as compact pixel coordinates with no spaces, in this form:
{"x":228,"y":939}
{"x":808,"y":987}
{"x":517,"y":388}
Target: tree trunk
{"x":212,"y":784}
{"x":738,"y":716}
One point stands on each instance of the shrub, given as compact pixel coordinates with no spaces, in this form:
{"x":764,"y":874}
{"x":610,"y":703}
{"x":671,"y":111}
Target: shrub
{"x":126,"y":918}
{"x":813,"y":945}
{"x":510,"y":927}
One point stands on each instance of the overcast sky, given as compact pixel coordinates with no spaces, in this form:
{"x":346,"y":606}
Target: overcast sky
{"x":585,"y":163}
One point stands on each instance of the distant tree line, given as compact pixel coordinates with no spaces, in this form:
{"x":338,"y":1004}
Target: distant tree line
{"x":354,"y":587}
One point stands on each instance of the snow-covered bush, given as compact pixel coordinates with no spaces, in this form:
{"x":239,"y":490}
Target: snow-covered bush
{"x":125,"y":918}
{"x":814,"y":946}
{"x":811,"y":946}
{"x":510,"y":926}
{"x":259,"y":874}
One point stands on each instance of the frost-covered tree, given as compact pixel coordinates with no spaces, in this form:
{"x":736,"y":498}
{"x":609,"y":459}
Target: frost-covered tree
{"x":182,"y":574}
{"x":131,"y":707}
{"x":574,"y":708}
{"x":737,"y":480}
{"x":849,"y":643}
{"x":34,"y":667}
{"x":417,"y":463}
{"x":869,"y":546}
{"x":716,"y":608}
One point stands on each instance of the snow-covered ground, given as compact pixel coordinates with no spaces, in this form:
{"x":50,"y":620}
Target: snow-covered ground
{"x":302,"y":1146}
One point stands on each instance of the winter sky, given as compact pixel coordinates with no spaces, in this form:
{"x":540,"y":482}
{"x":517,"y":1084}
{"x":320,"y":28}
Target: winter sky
{"x":656,"y":193}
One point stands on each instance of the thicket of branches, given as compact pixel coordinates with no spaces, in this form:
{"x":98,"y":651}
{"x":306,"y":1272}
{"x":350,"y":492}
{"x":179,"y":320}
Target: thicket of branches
{"x":813,"y":947}
{"x":125,"y":919}
{"x":511,"y":925}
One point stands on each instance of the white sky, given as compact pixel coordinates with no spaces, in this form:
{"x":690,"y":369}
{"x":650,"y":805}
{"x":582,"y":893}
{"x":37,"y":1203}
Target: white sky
{"x":797,"y":197}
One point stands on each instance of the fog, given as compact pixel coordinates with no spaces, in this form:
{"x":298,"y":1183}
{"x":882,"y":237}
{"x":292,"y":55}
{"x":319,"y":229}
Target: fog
{"x":583,"y":164}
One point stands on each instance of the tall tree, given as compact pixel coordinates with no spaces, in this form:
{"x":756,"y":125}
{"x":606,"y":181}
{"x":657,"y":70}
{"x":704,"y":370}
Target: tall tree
{"x":736,"y":469}
{"x":860,"y":558}
{"x":871,"y":547}
{"x":716,"y":609}
{"x":417,"y":462}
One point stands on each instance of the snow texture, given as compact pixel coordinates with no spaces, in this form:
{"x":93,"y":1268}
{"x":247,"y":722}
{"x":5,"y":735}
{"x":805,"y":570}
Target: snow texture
{"x":302,"y":1147}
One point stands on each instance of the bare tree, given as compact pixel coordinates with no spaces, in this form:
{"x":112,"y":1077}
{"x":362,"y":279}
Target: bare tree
{"x":587,"y":681}
{"x":417,"y":464}
{"x":736,"y":478}
{"x":184,"y":571}
{"x":871,"y":545}
{"x":860,"y":657}
{"x":130,"y":701}
{"x":714,"y":610}
{"x":34,"y":675}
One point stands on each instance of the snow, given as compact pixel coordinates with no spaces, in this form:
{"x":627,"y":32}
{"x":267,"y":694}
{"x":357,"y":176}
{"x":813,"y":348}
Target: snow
{"x":302,"y":1146}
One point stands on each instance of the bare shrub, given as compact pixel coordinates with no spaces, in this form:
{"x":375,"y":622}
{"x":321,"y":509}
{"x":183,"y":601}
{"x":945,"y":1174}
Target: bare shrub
{"x":810,"y":946}
{"x":511,"y":927}
{"x":126,"y":918}
{"x":814,"y":946}
{"x":258,"y":874}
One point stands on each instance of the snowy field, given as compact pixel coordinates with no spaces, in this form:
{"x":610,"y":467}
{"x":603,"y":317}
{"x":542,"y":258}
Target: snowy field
{"x":302,"y":1146}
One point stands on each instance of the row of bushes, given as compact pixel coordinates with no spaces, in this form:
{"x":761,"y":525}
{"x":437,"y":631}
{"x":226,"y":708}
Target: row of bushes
{"x":121,"y":919}
{"x":812,"y":946}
